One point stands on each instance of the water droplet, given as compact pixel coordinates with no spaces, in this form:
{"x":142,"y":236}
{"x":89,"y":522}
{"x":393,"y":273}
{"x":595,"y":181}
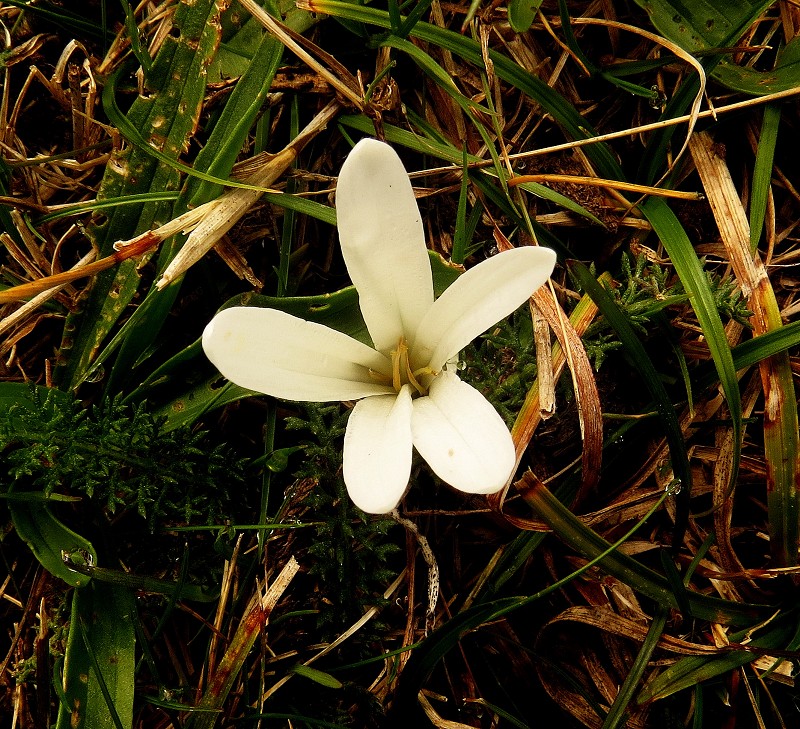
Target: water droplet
{"x":461,"y":365}
{"x":96,"y":374}
{"x":674,"y":487}
{"x":660,"y":98}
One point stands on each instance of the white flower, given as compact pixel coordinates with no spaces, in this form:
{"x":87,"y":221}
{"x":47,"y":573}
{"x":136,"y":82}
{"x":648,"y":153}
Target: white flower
{"x":408,"y":394}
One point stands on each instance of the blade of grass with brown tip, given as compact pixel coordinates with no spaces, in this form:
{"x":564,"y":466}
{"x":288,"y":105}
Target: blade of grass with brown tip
{"x":221,"y":682}
{"x":781,"y":447}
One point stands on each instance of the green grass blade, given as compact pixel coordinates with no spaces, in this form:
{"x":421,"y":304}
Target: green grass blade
{"x":762,"y":172}
{"x":448,"y":153}
{"x":460,"y":237}
{"x":616,"y":718}
{"x":693,"y":670}
{"x":49,"y":539}
{"x":690,"y":271}
{"x":100,"y":661}
{"x":216,"y":159}
{"x":168,"y":113}
{"x":644,"y":580}
{"x":562,"y":111}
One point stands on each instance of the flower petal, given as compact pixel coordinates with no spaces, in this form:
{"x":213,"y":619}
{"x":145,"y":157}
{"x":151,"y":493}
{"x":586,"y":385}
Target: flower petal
{"x":383,"y":243}
{"x":461,"y":436}
{"x":281,"y":355}
{"x":477,"y":300}
{"x":377,"y":451}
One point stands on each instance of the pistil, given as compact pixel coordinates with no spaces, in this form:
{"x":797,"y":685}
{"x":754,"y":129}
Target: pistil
{"x":402,"y":373}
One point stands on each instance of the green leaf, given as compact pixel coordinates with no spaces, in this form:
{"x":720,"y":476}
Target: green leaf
{"x":278,"y":460}
{"x":100,"y":661}
{"x":142,"y":583}
{"x":704,"y":26}
{"x":521,"y":14}
{"x":317,"y":676}
{"x":49,"y":539}
{"x":783,"y":77}
{"x":167,"y":115}
{"x":698,"y":26}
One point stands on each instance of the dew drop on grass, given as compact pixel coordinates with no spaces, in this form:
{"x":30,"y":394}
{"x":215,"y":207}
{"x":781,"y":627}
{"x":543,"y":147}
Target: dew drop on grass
{"x":674,"y":487}
{"x":96,"y":374}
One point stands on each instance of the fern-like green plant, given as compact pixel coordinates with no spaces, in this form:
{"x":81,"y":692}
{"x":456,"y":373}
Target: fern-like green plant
{"x":117,"y":455}
{"x":350,"y":550}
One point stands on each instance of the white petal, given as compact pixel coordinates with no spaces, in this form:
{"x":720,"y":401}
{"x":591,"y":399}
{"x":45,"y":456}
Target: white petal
{"x":477,"y":300}
{"x":281,"y":355}
{"x":377,"y":451}
{"x":461,"y":436}
{"x":383,"y":242}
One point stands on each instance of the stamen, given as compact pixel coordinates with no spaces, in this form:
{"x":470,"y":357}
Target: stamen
{"x":413,"y":380}
{"x":402,"y":372}
{"x":397,"y":355}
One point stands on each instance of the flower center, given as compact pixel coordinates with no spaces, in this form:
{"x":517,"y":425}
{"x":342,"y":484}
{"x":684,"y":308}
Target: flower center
{"x":402,"y":372}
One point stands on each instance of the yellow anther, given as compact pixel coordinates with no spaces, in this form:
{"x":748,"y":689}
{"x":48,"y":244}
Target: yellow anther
{"x":402,"y":374}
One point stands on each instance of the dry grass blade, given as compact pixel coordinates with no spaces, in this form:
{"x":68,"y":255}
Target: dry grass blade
{"x":434,"y":717}
{"x":633,"y":131}
{"x":223,"y":213}
{"x":141,"y":245}
{"x":573,"y":352}
{"x":694,"y":113}
{"x":352,"y":630}
{"x":28,"y":308}
{"x":610,"y":621}
{"x":344,"y":83}
{"x":610,"y":184}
